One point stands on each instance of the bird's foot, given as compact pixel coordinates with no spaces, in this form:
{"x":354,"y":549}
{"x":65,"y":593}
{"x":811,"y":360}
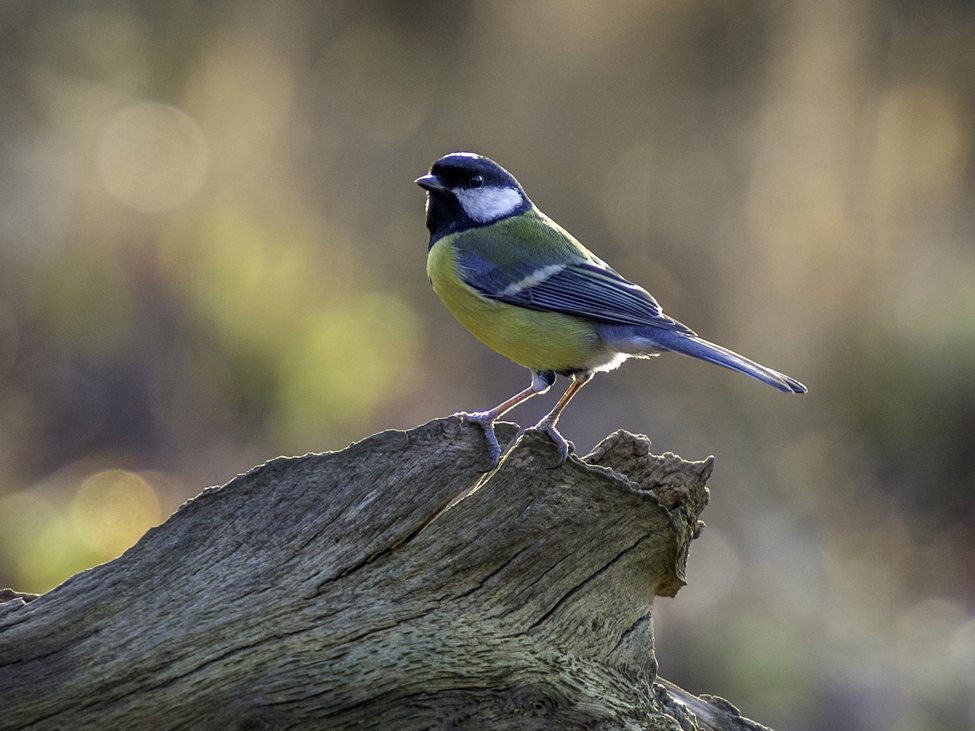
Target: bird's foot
{"x":485,"y":419}
{"x":564,"y":446}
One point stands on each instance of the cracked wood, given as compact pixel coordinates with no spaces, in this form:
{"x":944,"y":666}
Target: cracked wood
{"x":339,"y":591}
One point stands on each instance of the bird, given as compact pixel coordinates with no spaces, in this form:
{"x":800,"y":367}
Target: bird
{"x":525,"y":287}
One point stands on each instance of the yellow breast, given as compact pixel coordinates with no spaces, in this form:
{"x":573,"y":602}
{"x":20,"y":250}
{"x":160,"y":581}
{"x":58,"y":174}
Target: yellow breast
{"x":537,"y":340}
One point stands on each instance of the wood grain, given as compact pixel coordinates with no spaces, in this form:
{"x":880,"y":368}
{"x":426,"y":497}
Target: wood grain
{"x":335,"y":591}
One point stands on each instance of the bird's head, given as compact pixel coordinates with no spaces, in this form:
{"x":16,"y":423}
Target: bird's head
{"x":465,"y":191}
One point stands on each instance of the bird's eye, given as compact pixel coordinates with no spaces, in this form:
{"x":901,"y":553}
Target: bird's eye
{"x":476,"y":181}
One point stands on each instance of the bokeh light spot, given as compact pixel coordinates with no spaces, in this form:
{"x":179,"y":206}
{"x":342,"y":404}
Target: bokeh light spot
{"x":22,"y":517}
{"x":153,"y":157}
{"x":248,"y":279}
{"x":347,"y":363}
{"x":36,"y":543}
{"x":111,"y":511}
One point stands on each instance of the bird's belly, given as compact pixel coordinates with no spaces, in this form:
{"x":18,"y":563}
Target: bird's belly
{"x":542,"y":341}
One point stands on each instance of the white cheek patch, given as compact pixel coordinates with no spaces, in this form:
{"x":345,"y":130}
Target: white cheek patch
{"x":488,"y":204}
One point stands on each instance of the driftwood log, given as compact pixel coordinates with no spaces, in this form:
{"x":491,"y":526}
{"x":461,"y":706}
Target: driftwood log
{"x":353,"y":590}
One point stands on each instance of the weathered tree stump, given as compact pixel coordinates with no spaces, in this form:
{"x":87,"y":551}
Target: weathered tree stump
{"x":335,"y":591}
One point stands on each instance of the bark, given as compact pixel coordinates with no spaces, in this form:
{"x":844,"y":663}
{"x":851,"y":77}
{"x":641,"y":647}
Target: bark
{"x":353,"y":590}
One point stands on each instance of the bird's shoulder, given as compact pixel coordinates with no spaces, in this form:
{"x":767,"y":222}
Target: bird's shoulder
{"x":522,"y":241}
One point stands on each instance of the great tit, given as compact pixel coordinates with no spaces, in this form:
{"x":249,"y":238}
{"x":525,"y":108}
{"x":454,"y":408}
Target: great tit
{"x":526,"y":288}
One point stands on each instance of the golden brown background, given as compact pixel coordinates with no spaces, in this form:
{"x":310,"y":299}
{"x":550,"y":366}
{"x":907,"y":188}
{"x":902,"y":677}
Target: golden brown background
{"x":212,"y":253}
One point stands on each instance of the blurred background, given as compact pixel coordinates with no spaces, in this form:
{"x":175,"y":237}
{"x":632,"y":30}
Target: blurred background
{"x":212,"y":253}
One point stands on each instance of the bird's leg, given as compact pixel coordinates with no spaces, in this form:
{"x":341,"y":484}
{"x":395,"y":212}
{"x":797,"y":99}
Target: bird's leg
{"x":547,"y":424}
{"x":486,"y":421}
{"x":541,"y":382}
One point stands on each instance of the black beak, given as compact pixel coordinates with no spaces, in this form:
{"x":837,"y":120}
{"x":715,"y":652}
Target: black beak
{"x":431,"y":183}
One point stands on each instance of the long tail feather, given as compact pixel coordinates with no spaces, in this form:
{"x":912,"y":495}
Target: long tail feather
{"x":699,"y":348}
{"x":647,"y":340}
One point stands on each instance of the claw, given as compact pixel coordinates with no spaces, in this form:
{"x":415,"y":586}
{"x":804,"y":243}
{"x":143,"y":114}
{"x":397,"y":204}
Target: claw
{"x":485,"y":419}
{"x":562,"y":444}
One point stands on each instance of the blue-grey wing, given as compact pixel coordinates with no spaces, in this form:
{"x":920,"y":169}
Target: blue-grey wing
{"x":584,"y":289}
